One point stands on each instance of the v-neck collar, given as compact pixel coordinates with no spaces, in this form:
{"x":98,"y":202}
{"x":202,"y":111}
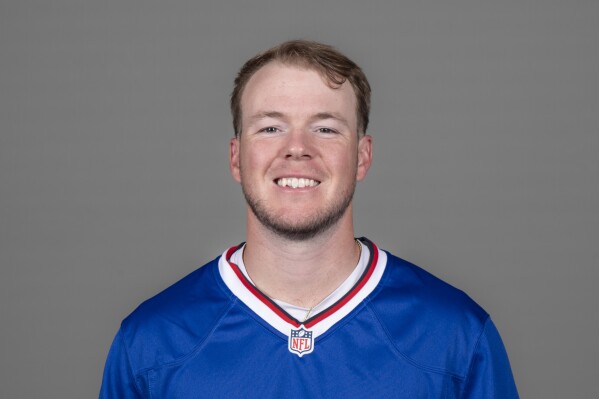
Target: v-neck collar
{"x":278,"y":318}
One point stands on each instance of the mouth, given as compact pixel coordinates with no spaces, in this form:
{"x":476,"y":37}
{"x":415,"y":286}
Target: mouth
{"x":296,"y":182}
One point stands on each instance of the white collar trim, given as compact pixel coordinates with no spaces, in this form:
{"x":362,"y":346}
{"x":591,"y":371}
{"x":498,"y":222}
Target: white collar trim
{"x":241,"y":288}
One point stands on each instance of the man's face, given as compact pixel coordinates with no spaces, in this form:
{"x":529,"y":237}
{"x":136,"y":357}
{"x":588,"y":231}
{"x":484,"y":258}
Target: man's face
{"x":299,"y":156}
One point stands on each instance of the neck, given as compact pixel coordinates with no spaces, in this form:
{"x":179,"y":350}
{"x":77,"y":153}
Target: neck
{"x":304,"y":272}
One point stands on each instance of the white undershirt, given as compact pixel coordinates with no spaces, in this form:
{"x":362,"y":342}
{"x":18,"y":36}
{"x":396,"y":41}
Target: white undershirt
{"x":301,"y":313}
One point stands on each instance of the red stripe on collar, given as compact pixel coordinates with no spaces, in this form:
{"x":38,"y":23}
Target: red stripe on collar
{"x":321,"y":316}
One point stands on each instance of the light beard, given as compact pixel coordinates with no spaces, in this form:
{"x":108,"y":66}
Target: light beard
{"x":300,"y":231}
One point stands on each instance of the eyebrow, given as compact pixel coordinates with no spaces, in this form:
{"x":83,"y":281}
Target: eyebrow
{"x":266,"y":114}
{"x":316,"y":117}
{"x":328,"y":115}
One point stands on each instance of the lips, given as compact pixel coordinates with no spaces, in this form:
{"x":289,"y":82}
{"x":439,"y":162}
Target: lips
{"x":296,"y":182}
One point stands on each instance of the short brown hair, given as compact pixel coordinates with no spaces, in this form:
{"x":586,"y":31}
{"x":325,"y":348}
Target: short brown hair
{"x":325,"y":59}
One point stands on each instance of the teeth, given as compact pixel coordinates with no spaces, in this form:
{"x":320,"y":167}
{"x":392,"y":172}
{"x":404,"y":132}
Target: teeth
{"x":295,"y":182}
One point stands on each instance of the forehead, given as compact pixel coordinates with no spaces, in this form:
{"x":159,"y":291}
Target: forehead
{"x":291,"y":89}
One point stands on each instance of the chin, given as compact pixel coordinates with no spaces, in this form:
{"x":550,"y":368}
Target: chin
{"x":299,"y":228}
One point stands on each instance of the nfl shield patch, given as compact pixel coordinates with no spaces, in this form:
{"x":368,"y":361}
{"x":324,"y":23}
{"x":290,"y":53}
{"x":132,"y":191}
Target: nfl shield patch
{"x":300,"y":342}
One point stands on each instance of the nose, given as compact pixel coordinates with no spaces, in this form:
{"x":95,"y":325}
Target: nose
{"x":298,"y":145}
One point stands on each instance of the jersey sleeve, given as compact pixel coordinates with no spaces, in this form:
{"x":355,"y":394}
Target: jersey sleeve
{"x":118,"y":380}
{"x":490,"y":375}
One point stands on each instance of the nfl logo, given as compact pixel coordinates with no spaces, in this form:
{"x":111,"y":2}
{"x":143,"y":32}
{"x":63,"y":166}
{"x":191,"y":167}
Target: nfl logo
{"x":300,"y":342}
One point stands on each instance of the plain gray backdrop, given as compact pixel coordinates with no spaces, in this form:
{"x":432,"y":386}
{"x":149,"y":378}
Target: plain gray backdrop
{"x":114,"y":181}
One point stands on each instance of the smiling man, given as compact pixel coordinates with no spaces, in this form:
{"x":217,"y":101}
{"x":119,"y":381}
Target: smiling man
{"x":303,"y":309}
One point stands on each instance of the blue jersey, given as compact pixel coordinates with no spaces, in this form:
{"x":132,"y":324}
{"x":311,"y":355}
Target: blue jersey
{"x":398,"y":333}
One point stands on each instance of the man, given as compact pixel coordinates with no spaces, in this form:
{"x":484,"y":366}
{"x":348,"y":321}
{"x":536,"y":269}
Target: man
{"x":303,"y":309}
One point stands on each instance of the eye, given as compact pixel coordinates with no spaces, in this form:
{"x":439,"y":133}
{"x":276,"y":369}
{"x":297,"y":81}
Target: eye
{"x":269,"y":129}
{"x":326,"y":130}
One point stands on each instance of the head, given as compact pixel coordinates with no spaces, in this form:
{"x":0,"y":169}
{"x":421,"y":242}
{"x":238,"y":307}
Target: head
{"x":300,"y":112}
{"x":333,"y":66}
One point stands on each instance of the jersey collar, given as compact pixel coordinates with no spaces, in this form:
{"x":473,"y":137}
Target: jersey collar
{"x":274,"y":315}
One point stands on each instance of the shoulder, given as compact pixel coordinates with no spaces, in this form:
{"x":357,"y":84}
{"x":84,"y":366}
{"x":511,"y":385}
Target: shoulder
{"x":432,"y":324}
{"x":176,"y":321}
{"x":405,"y":281}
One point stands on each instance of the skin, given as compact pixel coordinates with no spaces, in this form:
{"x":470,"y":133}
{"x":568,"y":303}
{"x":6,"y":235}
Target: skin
{"x":295,"y":125}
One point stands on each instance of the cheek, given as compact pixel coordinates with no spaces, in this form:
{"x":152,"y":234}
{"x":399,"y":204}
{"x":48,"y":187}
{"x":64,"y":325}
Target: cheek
{"x":254,"y":159}
{"x":346,"y":162}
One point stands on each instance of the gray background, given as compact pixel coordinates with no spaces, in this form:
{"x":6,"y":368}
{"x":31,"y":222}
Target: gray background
{"x":114,"y":179}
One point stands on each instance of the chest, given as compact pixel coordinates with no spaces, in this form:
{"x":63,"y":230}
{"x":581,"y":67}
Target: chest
{"x":247,"y":360}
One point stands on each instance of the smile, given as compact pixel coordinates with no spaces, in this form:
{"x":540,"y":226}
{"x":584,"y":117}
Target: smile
{"x":295,"y":182}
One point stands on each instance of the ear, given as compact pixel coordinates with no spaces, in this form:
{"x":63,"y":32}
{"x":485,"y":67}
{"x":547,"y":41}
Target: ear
{"x":234,"y":159}
{"x":364,"y":156}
